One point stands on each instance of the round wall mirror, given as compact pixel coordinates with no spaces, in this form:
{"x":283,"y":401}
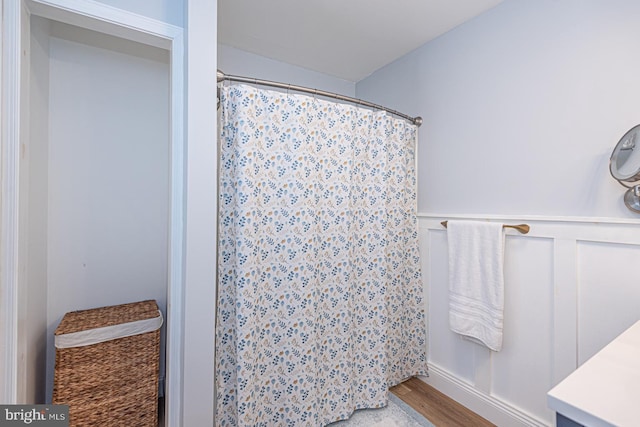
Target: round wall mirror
{"x":625,"y":166}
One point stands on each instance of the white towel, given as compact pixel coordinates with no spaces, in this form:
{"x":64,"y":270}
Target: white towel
{"x":476,"y":281}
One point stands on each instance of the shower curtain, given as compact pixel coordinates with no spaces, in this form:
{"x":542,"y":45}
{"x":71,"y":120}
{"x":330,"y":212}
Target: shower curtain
{"x":320,"y":300}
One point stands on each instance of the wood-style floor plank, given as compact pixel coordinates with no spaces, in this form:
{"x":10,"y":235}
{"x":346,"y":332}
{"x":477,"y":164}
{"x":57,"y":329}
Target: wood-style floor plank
{"x":438,"y":408}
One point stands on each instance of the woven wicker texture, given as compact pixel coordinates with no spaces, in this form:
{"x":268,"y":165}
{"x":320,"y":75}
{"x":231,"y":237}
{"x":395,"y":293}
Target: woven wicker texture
{"x":114,"y":383}
{"x":83,"y":320}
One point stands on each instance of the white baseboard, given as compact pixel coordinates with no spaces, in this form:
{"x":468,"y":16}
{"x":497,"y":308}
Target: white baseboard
{"x":496,"y":411}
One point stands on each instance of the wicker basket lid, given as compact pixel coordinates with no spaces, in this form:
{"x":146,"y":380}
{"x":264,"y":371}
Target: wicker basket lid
{"x":83,"y":320}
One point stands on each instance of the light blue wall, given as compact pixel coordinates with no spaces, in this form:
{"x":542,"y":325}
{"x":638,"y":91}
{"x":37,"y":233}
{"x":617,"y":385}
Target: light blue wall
{"x":522,"y":108}
{"x":170,"y":11}
{"x":241,"y":63}
{"x":94,"y":255}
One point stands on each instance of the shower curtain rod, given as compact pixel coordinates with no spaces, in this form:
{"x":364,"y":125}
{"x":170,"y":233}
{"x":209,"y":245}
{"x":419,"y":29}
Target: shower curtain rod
{"x":222,"y":76}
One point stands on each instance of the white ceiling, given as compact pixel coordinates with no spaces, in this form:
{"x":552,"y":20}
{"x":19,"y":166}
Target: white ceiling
{"x":349,"y":39}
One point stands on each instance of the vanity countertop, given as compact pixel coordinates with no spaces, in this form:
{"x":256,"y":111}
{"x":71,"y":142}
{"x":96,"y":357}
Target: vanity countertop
{"x":604,"y":390}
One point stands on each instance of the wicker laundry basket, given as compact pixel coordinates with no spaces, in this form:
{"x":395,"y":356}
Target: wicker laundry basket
{"x":107,"y":363}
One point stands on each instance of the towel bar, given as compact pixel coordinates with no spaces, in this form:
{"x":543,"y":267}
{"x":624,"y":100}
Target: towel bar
{"x":522,"y":228}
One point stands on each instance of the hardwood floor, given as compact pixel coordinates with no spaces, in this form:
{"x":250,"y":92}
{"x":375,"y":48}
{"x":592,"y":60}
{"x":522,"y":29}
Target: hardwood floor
{"x":441,"y":410}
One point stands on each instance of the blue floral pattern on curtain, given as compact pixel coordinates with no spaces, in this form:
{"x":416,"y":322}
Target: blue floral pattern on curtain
{"x":320,"y":298}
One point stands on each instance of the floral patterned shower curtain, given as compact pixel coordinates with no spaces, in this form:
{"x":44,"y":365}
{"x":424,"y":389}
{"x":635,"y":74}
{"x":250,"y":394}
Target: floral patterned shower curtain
{"x":320,"y":304}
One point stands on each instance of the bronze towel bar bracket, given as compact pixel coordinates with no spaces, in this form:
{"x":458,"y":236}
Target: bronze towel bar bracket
{"x":522,"y":228}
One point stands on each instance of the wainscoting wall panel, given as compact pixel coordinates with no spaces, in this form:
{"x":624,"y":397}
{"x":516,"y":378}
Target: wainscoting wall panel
{"x":570,"y":288}
{"x":527,"y":335}
{"x":609,"y":297}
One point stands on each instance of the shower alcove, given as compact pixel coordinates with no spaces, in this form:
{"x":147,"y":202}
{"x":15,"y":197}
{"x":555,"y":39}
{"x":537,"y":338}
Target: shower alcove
{"x":99,"y":184}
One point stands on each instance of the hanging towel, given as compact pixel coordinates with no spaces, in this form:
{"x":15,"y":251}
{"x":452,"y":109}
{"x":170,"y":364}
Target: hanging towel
{"x":476,"y":281}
